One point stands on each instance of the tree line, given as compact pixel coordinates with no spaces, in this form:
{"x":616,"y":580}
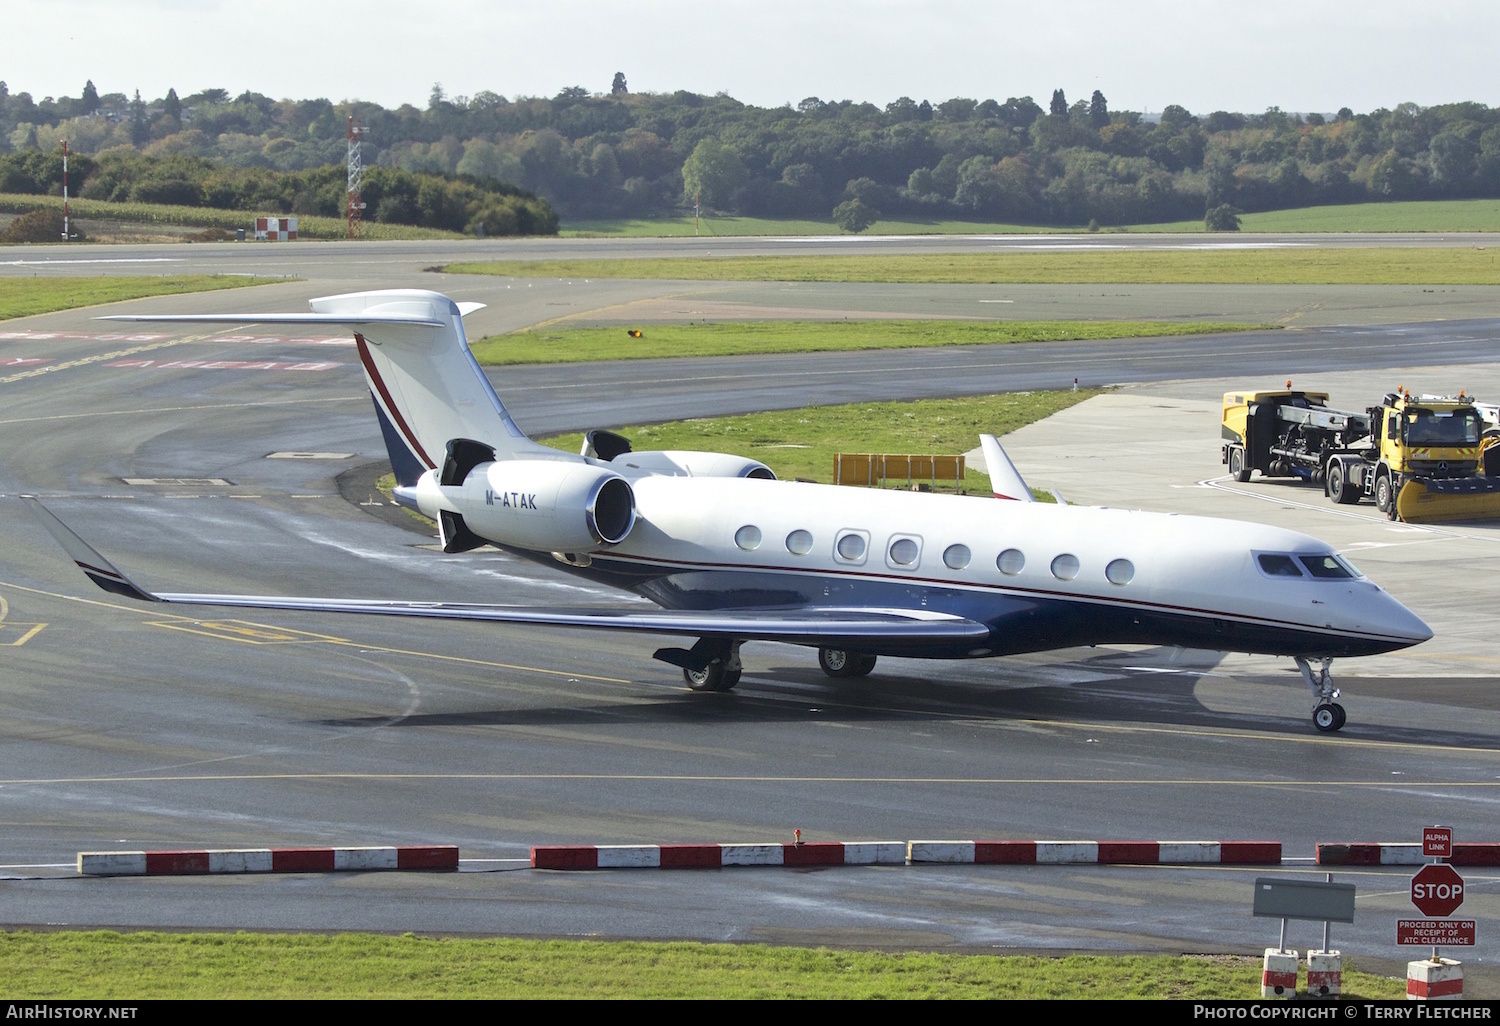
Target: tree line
{"x":621,"y":154}
{"x":391,"y":195}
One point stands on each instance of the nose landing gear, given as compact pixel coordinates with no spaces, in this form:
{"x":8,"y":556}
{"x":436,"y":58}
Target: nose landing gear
{"x":1328,"y":716}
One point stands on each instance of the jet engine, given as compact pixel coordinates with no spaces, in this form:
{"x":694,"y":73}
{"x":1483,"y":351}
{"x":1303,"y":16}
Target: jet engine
{"x":686,"y":463}
{"x":542,"y":505}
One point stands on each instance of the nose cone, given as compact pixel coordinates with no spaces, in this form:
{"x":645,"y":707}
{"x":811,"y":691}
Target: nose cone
{"x":1389,"y":618}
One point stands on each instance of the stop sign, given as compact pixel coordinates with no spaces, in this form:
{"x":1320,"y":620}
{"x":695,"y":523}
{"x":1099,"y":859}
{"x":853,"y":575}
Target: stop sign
{"x":1437,"y":890}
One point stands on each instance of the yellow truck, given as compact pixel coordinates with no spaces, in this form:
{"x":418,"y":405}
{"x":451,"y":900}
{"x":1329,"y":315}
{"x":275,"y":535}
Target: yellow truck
{"x":1420,"y":458}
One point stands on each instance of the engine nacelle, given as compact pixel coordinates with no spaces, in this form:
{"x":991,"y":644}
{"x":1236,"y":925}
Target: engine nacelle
{"x":543,"y":505}
{"x":689,"y":463}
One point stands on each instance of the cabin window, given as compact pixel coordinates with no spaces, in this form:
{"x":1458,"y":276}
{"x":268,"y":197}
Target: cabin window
{"x":1011,"y":562}
{"x":1065,"y":567}
{"x":748,"y":537}
{"x":1277,"y":565}
{"x":956,"y":557}
{"x":1119,"y":571}
{"x":851,"y":546}
{"x":1326,"y":567}
{"x":904,"y":551}
{"x":799,"y":543}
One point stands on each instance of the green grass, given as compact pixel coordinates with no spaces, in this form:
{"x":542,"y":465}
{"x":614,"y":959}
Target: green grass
{"x":725,"y":227}
{"x":23,"y":297}
{"x":575,"y":345}
{"x":308,"y":226}
{"x":1386,"y":266}
{"x":1477,"y":215}
{"x":802,"y":443}
{"x":113,"y":967}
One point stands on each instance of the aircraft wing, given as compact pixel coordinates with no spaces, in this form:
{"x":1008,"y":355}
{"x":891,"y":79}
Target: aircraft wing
{"x":834,"y":627}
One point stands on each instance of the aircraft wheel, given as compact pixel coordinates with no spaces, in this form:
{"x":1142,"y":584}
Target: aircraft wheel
{"x":1237,"y":468}
{"x":1383,"y":497}
{"x":712,"y":677}
{"x":838,"y":662}
{"x":1328,"y":717}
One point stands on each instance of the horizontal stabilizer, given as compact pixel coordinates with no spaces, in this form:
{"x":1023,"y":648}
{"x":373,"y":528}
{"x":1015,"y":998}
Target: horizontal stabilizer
{"x":354,"y":320}
{"x":834,"y":627}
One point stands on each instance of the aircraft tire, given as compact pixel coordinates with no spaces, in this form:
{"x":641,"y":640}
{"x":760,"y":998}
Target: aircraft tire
{"x":712,"y":677}
{"x":1328,"y":717}
{"x":838,"y":662}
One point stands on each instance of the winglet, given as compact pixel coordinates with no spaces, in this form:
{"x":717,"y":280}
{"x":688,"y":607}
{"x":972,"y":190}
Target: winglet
{"x":1005,"y":479}
{"x":99,"y":570}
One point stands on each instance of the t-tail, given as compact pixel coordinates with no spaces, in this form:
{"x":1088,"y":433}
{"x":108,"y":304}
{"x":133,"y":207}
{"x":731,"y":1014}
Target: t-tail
{"x":427,"y":387}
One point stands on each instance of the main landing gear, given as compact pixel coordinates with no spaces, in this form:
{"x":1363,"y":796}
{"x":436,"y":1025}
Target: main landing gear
{"x":838,"y":662}
{"x":1328,"y":715}
{"x":719,"y":675}
{"x":713,"y":664}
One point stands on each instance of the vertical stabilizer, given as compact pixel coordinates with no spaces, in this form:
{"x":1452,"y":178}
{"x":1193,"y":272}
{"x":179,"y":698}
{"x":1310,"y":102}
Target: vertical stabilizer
{"x":427,"y":387}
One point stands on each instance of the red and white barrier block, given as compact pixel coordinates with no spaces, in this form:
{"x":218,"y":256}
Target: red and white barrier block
{"x":1278,"y":974}
{"x":1428,"y":980}
{"x":1325,"y":973}
{"x":1485,"y":854}
{"x":276,"y":228}
{"x":1102,"y":853}
{"x":266,"y":860}
{"x":715,"y":856}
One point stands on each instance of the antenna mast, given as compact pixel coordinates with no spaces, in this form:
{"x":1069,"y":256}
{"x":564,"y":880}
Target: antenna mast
{"x":356,"y":174}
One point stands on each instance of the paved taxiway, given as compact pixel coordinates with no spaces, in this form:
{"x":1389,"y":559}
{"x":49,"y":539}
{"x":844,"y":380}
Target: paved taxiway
{"x":125,"y":727}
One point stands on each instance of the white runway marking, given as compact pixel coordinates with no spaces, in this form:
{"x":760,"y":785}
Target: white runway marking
{"x":96,"y":260}
{"x":262,"y":365}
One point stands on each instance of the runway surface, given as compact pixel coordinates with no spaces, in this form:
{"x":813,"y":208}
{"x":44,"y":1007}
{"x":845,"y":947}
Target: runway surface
{"x":127,"y":727}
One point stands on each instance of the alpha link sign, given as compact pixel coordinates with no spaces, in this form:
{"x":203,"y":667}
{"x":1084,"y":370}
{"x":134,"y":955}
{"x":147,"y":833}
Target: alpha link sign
{"x":1437,"y":891}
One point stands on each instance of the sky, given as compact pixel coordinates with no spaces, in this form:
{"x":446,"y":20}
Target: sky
{"x":1240,"y":55}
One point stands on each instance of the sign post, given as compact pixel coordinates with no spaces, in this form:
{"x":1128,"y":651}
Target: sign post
{"x":1437,"y":891}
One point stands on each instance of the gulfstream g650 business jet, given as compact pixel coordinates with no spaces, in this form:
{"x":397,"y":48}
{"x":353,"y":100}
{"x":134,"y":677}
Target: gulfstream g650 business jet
{"x":733,"y":555}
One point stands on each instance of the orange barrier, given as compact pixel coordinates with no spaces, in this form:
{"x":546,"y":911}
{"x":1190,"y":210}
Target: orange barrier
{"x":868,"y":469}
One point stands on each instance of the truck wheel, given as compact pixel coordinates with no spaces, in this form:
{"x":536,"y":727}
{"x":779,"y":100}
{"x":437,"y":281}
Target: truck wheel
{"x":1237,"y":468}
{"x":1383,"y":497}
{"x":1339,"y":489}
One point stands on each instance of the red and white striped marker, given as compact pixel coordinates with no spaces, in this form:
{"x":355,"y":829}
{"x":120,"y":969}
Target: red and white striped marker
{"x":266,"y":860}
{"x":1485,"y":854}
{"x":715,"y":856}
{"x":896,"y":853}
{"x":1102,"y":853}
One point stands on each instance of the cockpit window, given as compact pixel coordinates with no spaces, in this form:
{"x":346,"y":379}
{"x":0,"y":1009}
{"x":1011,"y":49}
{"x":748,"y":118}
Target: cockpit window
{"x":1326,"y":567}
{"x":1278,"y":566}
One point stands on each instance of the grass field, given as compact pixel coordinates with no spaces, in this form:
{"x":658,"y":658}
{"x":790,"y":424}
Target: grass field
{"x":1476,"y":215}
{"x":575,"y":345}
{"x":112,"y":966}
{"x":802,"y":443}
{"x":23,"y":297}
{"x":1217,"y":267}
{"x":308,"y":226}
{"x":726,"y":227}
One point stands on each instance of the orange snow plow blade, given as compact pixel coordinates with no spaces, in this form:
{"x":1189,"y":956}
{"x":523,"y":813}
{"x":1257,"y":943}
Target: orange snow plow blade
{"x":1425,"y":501}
